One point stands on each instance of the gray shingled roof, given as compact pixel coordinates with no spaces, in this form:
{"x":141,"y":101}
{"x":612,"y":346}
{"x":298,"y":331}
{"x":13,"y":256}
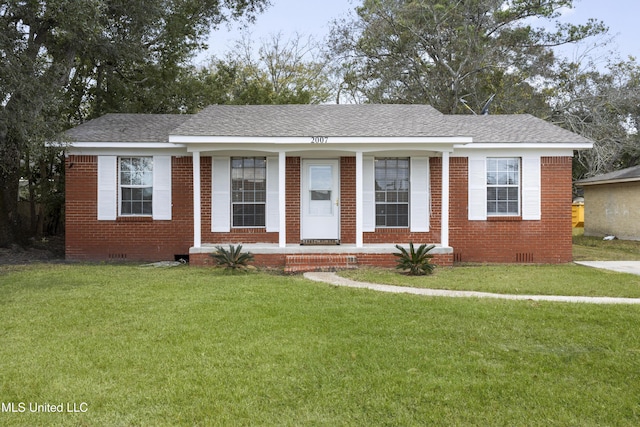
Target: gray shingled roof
{"x":628,"y":174}
{"x":518,"y":128}
{"x":317,"y":120}
{"x":365,"y":120}
{"x":128,"y":128}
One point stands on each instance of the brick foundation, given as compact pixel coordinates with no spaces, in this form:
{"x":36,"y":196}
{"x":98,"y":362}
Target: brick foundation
{"x":314,"y":262}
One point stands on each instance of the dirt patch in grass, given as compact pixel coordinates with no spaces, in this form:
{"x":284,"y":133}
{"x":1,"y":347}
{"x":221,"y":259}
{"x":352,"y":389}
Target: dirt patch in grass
{"x":48,"y":249}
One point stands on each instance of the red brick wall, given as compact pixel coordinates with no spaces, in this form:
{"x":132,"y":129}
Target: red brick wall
{"x":125,"y":238}
{"x":511,"y":239}
{"x":404,"y":235}
{"x":237,"y":235}
{"x":348,"y":200}
{"x":495,"y":240}
{"x":292,"y":184}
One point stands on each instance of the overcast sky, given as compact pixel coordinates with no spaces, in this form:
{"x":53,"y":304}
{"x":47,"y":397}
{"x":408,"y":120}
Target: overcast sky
{"x":313,"y":18}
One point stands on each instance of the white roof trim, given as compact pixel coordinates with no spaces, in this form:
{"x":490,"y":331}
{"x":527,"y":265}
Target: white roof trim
{"x":608,"y":181}
{"x":503,"y":145}
{"x":181,"y":139}
{"x":125,"y":145}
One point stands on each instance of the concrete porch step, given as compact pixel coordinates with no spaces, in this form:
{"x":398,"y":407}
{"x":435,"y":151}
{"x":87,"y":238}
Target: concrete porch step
{"x":319,"y":262}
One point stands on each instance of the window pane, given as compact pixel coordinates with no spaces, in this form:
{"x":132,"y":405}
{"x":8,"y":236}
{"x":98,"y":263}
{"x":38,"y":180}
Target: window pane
{"x":248,"y":215}
{"x":512,"y":193}
{"x":320,"y":177}
{"x":320,"y":195}
{"x":392,"y":192}
{"x":260,"y":196}
{"x":503,"y":191}
{"x":147,"y":208}
{"x":248,"y":185}
{"x":492,"y":193}
{"x":136,"y":185}
{"x":260,"y":174}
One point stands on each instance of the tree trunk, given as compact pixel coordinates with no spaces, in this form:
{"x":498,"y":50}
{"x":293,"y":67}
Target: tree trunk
{"x":9,"y":218}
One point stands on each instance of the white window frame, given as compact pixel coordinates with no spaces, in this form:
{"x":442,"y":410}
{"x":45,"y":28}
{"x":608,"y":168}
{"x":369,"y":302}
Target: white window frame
{"x":149,"y":186}
{"x":499,"y":174}
{"x":263,"y":202}
{"x":386,"y":201}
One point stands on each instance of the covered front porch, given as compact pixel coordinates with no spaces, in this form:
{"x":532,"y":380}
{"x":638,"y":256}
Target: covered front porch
{"x":324,"y":192}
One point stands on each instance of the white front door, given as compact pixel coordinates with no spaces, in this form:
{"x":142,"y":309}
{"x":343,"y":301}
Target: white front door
{"x":320,"y":204}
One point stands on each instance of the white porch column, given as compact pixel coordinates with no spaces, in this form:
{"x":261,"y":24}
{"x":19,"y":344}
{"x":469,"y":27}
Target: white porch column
{"x":359,"y":200}
{"x":444,"y":220}
{"x":197,"y":212}
{"x":282,"y":199}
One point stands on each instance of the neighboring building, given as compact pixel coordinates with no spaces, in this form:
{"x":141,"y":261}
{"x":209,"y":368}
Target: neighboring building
{"x":612,"y":204}
{"x":320,"y":185}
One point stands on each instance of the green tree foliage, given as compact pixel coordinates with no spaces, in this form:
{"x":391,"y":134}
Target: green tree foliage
{"x":452,"y":54}
{"x":88,"y":57}
{"x":278,"y":72}
{"x":604,"y":106}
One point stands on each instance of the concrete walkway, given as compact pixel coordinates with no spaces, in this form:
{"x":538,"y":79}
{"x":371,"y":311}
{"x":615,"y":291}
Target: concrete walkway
{"x":334,"y":279}
{"x":631,"y":267}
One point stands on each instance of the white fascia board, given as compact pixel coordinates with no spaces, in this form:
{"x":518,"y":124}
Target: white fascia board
{"x":314,"y":150}
{"x":124,"y":145}
{"x":126,"y":152}
{"x":317,"y":140}
{"x":608,"y":181}
{"x":513,"y":150}
{"x":526,"y":145}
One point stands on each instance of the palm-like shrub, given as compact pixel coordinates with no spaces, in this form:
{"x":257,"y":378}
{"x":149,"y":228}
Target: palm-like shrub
{"x":232,"y":259}
{"x":416,"y":261}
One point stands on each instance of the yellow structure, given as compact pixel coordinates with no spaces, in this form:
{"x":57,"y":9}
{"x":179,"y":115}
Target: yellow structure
{"x":577,"y":214}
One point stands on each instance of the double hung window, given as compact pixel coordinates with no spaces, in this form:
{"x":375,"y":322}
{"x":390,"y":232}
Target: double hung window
{"x":392,"y":192}
{"x":503,"y":186}
{"x":248,"y":191}
{"x":136,"y":186}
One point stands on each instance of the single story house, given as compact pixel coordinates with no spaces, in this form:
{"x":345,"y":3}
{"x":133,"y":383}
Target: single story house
{"x":310,"y":186}
{"x":612,"y":204}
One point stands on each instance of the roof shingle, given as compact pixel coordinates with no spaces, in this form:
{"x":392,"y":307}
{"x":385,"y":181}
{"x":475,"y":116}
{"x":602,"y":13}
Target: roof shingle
{"x":364,"y":120}
{"x":321,"y":120}
{"x":628,"y":174}
{"x":128,"y":128}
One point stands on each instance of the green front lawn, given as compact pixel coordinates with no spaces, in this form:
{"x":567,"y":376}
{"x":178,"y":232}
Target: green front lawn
{"x":587,"y":248}
{"x":190,"y":346}
{"x":565,"y":279}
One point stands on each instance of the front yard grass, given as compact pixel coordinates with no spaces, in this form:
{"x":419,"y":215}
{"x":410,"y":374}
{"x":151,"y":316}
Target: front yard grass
{"x":565,"y":279}
{"x":587,"y":248}
{"x":191,"y":346}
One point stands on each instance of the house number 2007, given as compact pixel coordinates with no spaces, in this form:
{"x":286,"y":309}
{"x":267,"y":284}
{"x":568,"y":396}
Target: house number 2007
{"x":319,"y":139}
